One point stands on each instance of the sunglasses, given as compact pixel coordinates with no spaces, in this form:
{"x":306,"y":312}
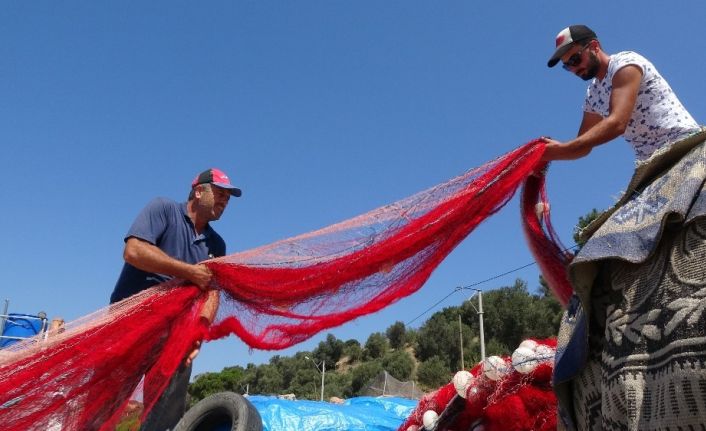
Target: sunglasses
{"x":575,"y":58}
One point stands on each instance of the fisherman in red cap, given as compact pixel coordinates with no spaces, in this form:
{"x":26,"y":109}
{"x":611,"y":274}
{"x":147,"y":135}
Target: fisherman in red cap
{"x":170,"y":240}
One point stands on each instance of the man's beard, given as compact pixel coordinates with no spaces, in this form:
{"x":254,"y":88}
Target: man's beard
{"x":591,"y":68}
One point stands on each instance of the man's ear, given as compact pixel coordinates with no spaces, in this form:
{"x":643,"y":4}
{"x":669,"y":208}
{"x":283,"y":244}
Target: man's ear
{"x":197,"y":191}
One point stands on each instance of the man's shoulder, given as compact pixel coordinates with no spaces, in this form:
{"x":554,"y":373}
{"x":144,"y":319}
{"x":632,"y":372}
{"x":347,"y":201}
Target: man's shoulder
{"x":628,"y":57}
{"x":164,"y":203}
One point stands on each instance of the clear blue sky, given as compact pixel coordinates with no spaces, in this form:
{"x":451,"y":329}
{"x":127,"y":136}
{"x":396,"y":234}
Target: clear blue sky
{"x":319,"y":110}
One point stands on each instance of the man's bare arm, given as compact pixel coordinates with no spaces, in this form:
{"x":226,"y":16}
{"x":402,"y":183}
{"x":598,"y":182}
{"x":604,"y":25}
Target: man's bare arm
{"x":147,"y":257}
{"x":596,"y":130}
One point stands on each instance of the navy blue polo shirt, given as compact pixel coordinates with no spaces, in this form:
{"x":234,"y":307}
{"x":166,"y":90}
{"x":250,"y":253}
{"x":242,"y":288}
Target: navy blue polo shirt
{"x":166,"y":224}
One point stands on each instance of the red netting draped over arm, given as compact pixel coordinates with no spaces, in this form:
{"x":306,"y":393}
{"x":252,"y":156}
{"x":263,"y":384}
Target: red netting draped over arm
{"x":83,"y":377}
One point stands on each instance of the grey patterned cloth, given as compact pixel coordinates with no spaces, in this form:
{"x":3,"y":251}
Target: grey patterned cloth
{"x":632,"y":345}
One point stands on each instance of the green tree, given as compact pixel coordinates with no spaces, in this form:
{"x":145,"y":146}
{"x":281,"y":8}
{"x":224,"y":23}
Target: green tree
{"x":229,"y":379}
{"x":550,"y":310}
{"x":337,"y":384}
{"x":249,"y":379}
{"x":306,"y":382}
{"x":269,"y":379}
{"x":353,"y":351}
{"x":286,"y":368}
{"x":329,"y":350}
{"x":399,"y":364}
{"x":493,"y":347}
{"x":396,"y":334}
{"x":584,"y":221}
{"x":411,"y":336}
{"x":438,"y":337}
{"x":361,"y":376}
{"x":433,"y":373}
{"x":376,"y":346}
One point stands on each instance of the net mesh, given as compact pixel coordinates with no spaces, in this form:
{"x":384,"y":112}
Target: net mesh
{"x":270,"y":297}
{"x":384,"y":385}
{"x":283,"y":293}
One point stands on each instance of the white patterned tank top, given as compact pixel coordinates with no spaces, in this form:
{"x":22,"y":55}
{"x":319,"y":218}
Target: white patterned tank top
{"x":658,"y":119}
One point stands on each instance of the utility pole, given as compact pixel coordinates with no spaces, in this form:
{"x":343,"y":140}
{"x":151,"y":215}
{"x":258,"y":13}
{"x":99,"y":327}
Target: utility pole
{"x":323,"y":373}
{"x":322,"y":370}
{"x":479,"y":311}
{"x":480,"y":318}
{"x":3,"y":317}
{"x":460,"y":336}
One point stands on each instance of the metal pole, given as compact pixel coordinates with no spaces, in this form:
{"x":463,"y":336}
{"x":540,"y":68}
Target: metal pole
{"x":482,"y":334}
{"x":3,"y":317}
{"x":460,"y":336}
{"x":384,"y":384}
{"x":323,"y":373}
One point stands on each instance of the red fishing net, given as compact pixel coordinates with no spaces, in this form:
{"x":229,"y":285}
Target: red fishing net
{"x":271,"y":297}
{"x":82,"y":376}
{"x":551,"y":256}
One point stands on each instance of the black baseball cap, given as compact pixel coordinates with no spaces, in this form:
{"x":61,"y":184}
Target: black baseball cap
{"x":568,"y":36}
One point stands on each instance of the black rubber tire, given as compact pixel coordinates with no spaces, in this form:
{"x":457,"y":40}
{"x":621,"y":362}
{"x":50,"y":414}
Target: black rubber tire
{"x":219,"y":409}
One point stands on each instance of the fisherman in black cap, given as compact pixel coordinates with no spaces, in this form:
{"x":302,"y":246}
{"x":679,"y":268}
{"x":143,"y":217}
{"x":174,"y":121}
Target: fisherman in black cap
{"x":626,"y":97}
{"x":631,"y":351}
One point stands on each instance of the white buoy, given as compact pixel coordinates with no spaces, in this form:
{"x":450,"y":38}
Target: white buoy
{"x":539,"y":209}
{"x":429,"y":419}
{"x":495,"y":368}
{"x":544,"y":353}
{"x":462,"y":380}
{"x":530,"y":344}
{"x":524,"y":360}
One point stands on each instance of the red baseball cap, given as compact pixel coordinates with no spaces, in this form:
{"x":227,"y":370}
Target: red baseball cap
{"x":218,"y":178}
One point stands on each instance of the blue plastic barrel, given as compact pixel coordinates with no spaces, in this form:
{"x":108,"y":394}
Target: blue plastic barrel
{"x":20,"y":325}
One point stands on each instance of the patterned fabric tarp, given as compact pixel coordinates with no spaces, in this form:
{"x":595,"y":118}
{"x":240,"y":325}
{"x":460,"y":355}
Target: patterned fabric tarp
{"x":640,"y":285}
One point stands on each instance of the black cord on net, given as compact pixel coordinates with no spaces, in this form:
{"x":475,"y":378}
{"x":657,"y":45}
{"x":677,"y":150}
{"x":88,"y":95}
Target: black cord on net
{"x":459,"y":288}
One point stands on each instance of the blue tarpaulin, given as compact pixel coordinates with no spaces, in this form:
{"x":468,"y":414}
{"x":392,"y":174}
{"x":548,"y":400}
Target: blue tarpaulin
{"x":355,"y":414}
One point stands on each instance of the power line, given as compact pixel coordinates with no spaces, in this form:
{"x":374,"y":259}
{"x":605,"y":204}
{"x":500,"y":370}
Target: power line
{"x":439,"y":302}
{"x":459,"y":288}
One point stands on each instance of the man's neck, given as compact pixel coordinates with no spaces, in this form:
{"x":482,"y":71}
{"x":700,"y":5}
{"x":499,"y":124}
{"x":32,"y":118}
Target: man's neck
{"x":199,"y":223}
{"x":604,"y":60}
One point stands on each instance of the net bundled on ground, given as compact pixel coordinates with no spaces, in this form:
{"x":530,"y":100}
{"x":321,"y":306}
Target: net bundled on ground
{"x":272,"y":297}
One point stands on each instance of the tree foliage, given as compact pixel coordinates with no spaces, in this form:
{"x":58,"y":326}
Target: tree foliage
{"x":433,"y":373}
{"x":399,"y":364}
{"x":376,"y":346}
{"x":584,"y":221}
{"x":330,"y":351}
{"x":353,"y":351}
{"x":210,"y":383}
{"x":439,"y":337}
{"x":396,"y":335}
{"x":361,"y":375}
